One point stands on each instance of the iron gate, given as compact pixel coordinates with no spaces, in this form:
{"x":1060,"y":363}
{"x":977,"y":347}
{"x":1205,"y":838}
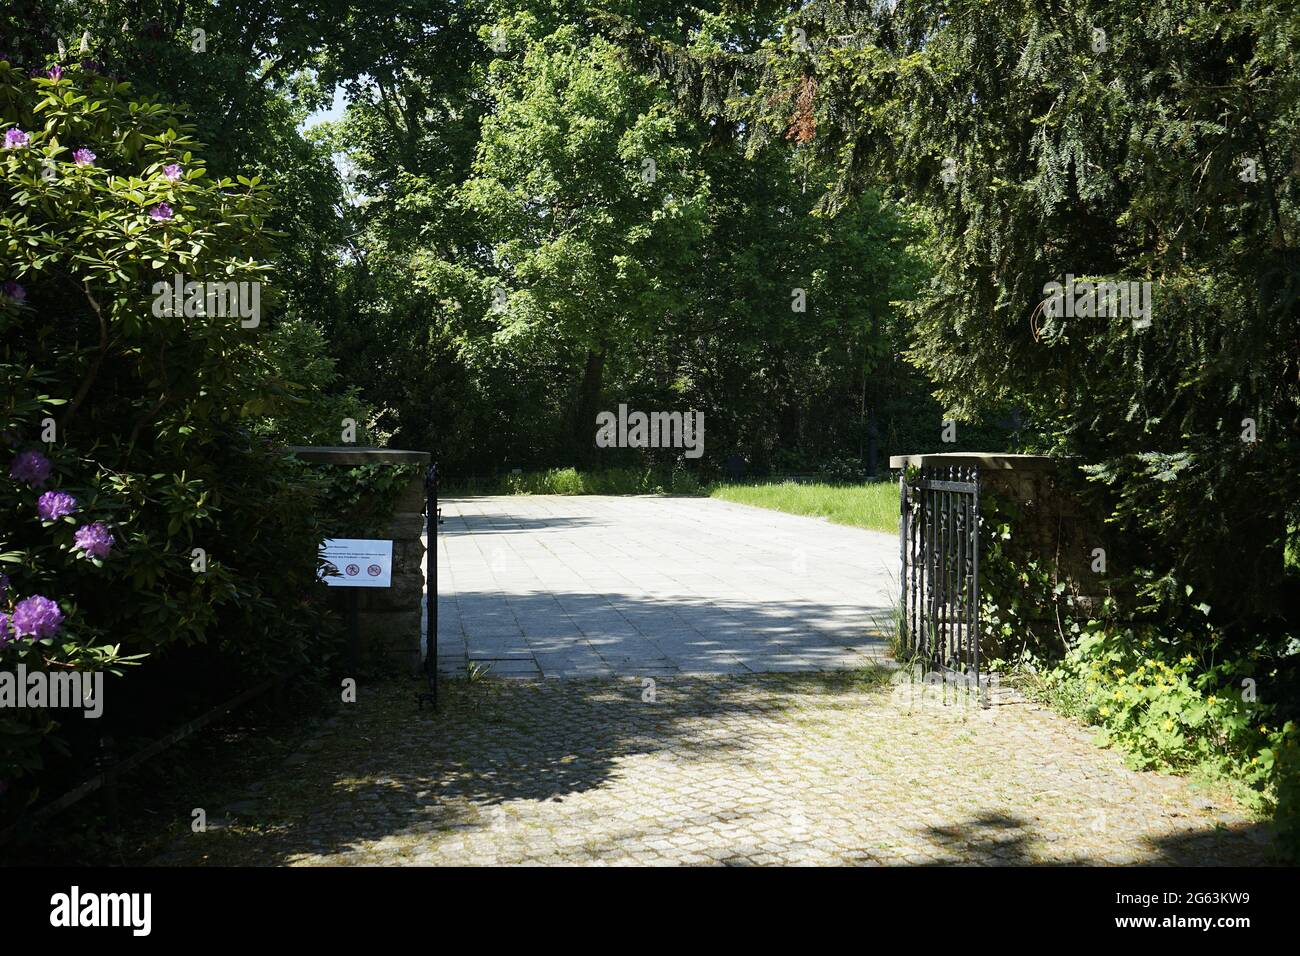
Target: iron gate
{"x":939,"y":552}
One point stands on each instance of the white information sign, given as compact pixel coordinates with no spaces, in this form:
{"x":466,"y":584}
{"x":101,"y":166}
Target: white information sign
{"x":360,"y":563}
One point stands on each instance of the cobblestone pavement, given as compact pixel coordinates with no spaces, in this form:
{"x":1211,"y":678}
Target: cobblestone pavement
{"x":589,"y":586}
{"x":832,"y":768}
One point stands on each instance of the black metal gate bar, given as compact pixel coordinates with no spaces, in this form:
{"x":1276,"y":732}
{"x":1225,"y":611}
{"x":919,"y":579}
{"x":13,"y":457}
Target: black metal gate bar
{"x":901,"y":622}
{"x":432,"y":518}
{"x":930,"y":595}
{"x":975,"y":575}
{"x":959,"y":574}
{"x":945,"y":582}
{"x":939,"y":556}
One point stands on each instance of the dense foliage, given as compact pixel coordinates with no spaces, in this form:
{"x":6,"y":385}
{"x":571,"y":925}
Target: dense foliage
{"x":142,"y":517}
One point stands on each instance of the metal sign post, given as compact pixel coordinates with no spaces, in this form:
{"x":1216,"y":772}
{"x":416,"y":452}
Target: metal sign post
{"x":354,"y":632}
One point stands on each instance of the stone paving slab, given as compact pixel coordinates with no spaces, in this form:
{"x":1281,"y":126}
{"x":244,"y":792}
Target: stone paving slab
{"x":608,"y":582}
{"x":772,"y":769}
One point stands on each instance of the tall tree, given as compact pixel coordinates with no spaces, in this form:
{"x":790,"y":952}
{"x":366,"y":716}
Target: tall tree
{"x":593,"y":201}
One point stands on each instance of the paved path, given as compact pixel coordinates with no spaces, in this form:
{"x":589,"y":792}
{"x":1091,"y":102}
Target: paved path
{"x":659,"y":767}
{"x":832,"y":768}
{"x":580,"y":586}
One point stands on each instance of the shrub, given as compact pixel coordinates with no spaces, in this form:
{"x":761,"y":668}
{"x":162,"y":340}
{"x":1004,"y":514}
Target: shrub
{"x":309,"y":405}
{"x":185,"y":542}
{"x":1171,"y":693}
{"x":1172,"y":703}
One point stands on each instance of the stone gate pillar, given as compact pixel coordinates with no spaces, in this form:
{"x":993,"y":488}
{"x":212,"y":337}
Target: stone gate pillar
{"x":389,"y":618}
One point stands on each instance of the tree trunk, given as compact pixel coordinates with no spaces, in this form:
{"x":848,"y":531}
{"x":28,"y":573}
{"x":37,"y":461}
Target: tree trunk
{"x":584,"y":425}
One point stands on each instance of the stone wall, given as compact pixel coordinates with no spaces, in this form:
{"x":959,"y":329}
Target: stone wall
{"x":1054,"y":526}
{"x":389,"y":618}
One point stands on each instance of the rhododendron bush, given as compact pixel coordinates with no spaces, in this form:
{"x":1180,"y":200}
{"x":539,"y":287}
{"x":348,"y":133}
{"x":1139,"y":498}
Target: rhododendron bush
{"x":144,"y":528}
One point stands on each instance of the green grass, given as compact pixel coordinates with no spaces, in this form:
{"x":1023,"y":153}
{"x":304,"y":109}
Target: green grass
{"x":873,"y":506}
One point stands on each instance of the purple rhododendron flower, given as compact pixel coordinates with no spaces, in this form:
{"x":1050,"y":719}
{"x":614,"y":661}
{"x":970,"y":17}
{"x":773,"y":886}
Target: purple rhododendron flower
{"x":54,"y":505}
{"x":6,"y":632}
{"x":37,"y":617}
{"x":31,"y":467}
{"x":15,"y":138}
{"x":160,"y":212}
{"x":56,"y":73}
{"x":14,"y":291}
{"x":173,"y":171}
{"x":94,"y":540}
{"x":83,"y":157}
